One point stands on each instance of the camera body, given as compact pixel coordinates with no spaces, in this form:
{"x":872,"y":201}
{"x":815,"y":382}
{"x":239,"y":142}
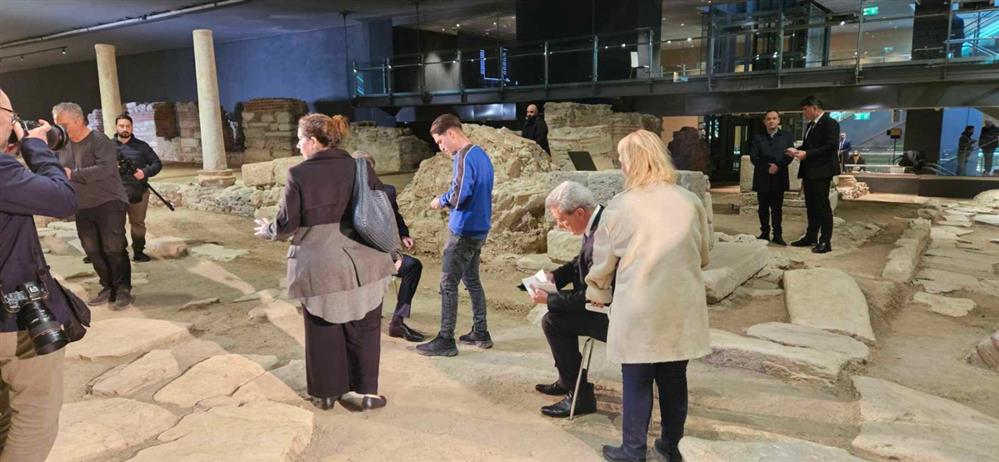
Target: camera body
{"x":56,"y":137}
{"x":27,"y":302}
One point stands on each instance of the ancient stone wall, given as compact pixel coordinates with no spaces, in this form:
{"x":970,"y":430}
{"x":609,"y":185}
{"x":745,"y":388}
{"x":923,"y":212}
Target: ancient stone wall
{"x":270,"y":128}
{"x":95,"y":120}
{"x":593,"y":128}
{"x":394,"y":149}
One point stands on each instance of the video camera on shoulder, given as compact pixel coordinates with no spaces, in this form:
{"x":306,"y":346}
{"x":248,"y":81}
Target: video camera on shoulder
{"x":27,"y":302}
{"x":56,"y":136}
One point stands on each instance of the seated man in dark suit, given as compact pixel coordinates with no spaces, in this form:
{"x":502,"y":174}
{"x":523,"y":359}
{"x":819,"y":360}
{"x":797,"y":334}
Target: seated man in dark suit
{"x":409,"y":269}
{"x":575,"y":210}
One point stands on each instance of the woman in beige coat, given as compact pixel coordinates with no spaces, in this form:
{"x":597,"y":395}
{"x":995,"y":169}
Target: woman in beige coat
{"x":647,"y":258}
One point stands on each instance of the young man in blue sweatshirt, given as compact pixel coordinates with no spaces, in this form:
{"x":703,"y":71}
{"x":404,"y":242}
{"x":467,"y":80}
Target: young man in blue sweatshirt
{"x":470,"y":203}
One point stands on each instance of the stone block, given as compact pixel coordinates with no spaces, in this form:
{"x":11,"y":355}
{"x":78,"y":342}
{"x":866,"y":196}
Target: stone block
{"x":986,"y":353}
{"x":745,"y":174}
{"x":563,"y":246}
{"x":828,"y":299}
{"x":258,"y":173}
{"x":101,"y":429}
{"x":119,"y":337}
{"x":903,"y":260}
{"x":281,"y":167}
{"x":809,"y":337}
{"x":152,"y":368}
{"x":948,"y":306}
{"x":732,"y":264}
{"x":793,"y":363}
{"x":216,"y":376}
{"x":701,"y":450}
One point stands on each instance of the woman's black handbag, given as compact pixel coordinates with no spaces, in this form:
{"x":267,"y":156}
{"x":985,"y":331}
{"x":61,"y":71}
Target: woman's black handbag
{"x":373,"y":216}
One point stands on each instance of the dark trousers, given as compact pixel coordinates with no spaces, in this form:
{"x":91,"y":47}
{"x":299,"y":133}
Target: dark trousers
{"x":461,"y":263}
{"x":563,"y":329}
{"x":102,"y":234}
{"x":137,"y":221}
{"x":409,"y":275}
{"x":987,"y":159}
{"x":671,"y":379}
{"x":771,"y":210}
{"x":342,"y":357}
{"x":820,"y":215}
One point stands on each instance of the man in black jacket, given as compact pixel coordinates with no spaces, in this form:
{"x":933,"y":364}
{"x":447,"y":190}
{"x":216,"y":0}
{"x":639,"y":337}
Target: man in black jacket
{"x":819,"y":165}
{"x":988,"y":139}
{"x":770,"y":180}
{"x":31,"y":384}
{"x":535,"y":128}
{"x":136,"y":183}
{"x":575,"y":210}
{"x":410,"y":269}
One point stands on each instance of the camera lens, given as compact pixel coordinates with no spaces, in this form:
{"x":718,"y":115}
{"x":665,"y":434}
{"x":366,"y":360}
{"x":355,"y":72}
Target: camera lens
{"x":56,"y":136}
{"x":45,"y":331}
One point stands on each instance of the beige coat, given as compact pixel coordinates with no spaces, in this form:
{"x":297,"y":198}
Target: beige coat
{"x":652,"y":243}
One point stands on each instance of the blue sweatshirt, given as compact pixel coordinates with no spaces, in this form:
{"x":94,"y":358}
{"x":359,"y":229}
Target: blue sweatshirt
{"x":471,"y":195}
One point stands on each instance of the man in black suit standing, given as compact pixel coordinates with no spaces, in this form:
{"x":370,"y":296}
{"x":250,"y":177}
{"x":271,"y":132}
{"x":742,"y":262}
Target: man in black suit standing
{"x":770,"y":180}
{"x":819,"y":165}
{"x":409,"y":269}
{"x":575,"y":210}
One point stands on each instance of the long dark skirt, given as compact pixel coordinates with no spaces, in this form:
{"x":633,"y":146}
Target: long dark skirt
{"x":342,"y":357}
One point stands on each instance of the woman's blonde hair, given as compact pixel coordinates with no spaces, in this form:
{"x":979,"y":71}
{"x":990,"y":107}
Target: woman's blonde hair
{"x":329,"y":131}
{"x":645,"y":160}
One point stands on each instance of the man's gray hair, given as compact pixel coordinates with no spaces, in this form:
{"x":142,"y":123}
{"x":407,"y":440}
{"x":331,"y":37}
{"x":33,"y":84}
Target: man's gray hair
{"x":70,"y":108}
{"x":569,"y":196}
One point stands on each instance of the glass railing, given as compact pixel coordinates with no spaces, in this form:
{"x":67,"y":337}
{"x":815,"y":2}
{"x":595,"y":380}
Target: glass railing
{"x":792,"y":41}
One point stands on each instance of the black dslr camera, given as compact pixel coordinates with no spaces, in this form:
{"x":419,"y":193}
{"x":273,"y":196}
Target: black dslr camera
{"x":56,"y":136}
{"x":27,"y":302}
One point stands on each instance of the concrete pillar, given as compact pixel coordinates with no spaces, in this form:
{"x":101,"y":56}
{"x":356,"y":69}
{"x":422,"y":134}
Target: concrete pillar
{"x":213,"y":161}
{"x":107,"y":77}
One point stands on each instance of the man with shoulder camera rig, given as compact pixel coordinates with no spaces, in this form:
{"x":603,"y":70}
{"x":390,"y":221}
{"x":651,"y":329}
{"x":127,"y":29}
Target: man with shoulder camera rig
{"x":30,"y":379}
{"x":134,"y":152}
{"x":91,"y":163}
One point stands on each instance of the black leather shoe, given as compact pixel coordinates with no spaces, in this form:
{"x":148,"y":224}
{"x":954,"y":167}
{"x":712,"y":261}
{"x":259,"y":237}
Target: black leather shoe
{"x":777,"y":240}
{"x":140,"y":257}
{"x":822,"y":247}
{"x":671,"y":453}
{"x":439,"y":346}
{"x":553,"y":389}
{"x":617,"y":454}
{"x":401,"y":330}
{"x":324,"y":403}
{"x":804,"y":242}
{"x":102,"y":297}
{"x":357,"y":402}
{"x":764,"y":236}
{"x":586,"y":404}
{"x":481,"y":340}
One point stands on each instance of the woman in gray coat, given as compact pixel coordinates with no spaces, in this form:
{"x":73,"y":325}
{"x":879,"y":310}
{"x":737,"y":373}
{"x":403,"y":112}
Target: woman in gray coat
{"x":339,"y":281}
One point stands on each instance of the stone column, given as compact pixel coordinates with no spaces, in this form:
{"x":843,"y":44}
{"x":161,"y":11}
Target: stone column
{"x":214,"y":169}
{"x":107,"y":76}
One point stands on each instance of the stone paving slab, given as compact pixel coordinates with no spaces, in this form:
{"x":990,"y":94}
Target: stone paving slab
{"x":155,"y":366}
{"x":91,"y":429}
{"x":810,"y":337}
{"x":216,"y":376}
{"x":118,"y":337}
{"x":731,"y":265}
{"x":828,"y":299}
{"x":948,"y":306}
{"x":794,"y":363}
{"x":701,"y":450}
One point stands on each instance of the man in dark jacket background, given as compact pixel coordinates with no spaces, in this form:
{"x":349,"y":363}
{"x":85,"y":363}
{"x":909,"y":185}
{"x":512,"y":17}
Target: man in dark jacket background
{"x":31,"y":387}
{"x":136,"y":183}
{"x":535,"y":128}
{"x":988,"y":138}
{"x":819,"y":165}
{"x":770,"y":180}
{"x":575,"y":210}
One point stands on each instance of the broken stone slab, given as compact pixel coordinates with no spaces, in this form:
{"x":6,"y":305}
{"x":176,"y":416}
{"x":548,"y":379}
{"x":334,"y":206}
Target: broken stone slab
{"x":563,"y":246}
{"x":986,"y":353}
{"x":988,"y":198}
{"x":267,"y":362}
{"x":939,"y":281}
{"x":731,"y":265}
{"x":948,"y":306}
{"x":901,"y":424}
{"x":810,"y":337}
{"x":118,"y":337}
{"x":218,"y":253}
{"x":153,"y":367}
{"x":293,"y":375}
{"x":70,"y":266}
{"x":987,"y":219}
{"x":828,"y":299}
{"x":793,"y":363}
{"x":265,"y":295}
{"x":200,"y":304}
{"x":701,"y":450}
{"x":255,"y":431}
{"x":97,"y":429}
{"x":534,"y":262}
{"x":272,"y":310}
{"x":216,"y":376}
{"x":904,"y":258}
{"x":166,"y":248}
{"x":266,"y":387}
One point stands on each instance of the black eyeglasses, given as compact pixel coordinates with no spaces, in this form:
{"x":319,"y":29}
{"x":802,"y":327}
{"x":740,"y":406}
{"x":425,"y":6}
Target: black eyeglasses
{"x":8,"y":110}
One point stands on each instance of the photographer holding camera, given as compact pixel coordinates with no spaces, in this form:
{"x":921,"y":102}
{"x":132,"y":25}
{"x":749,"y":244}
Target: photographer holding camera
{"x":31,"y":359}
{"x":144,"y":164}
{"x":91,"y":163}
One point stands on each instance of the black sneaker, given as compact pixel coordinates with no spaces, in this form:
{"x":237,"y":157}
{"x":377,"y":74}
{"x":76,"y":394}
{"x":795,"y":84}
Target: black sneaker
{"x":123,"y":298}
{"x":140,"y":257}
{"x":669,"y":451}
{"x":481,"y":340}
{"x":439,"y":346}
{"x":102,"y":297}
